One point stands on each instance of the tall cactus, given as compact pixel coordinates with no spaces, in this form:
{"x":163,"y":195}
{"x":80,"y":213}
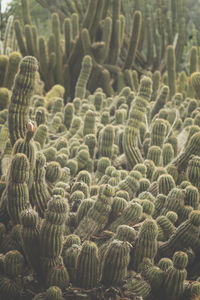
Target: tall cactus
{"x":17,"y":189}
{"x":136,"y":117}
{"x":19,"y":104}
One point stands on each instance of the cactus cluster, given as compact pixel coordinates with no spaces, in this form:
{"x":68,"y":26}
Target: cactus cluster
{"x":99,"y":171}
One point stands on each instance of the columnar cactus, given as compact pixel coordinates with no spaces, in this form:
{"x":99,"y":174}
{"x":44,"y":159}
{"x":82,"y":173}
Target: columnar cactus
{"x":106,"y":141}
{"x":129,"y":216}
{"x":185,"y":236}
{"x":88,"y":266}
{"x":136,"y":117}
{"x":146,"y":243}
{"x":27,"y":147}
{"x":193,"y":147}
{"x":19,"y":104}
{"x":17,"y":188}
{"x":174,"y":201}
{"x":165,"y":184}
{"x":115,"y":263}
{"x":39,"y":194}
{"x":70,"y":260}
{"x":171,"y":69}
{"x":193,"y":169}
{"x":52,"y":233}
{"x":89,"y":123}
{"x":30,"y":238}
{"x":68,"y":114}
{"x":195,"y":79}
{"x":175,"y":276}
{"x":13,"y":64}
{"x":80,"y":89}
{"x":97,"y":216}
{"x":158,"y":133}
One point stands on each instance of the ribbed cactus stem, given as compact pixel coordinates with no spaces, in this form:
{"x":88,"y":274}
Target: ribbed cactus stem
{"x":19,"y":104}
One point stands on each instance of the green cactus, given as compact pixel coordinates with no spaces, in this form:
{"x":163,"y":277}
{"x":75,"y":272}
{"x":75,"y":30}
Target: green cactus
{"x":115,"y":263}
{"x":88,"y":266}
{"x":155,"y":154}
{"x":191,"y":197}
{"x":97,"y":216}
{"x":89,"y":123}
{"x":20,"y":38}
{"x":129,"y":216}
{"x":136,"y":117}
{"x":39,"y":194}
{"x":193,"y":171}
{"x":68,"y":114}
{"x":53,"y":172}
{"x":146,"y":243}
{"x":13,"y":64}
{"x":17,"y":189}
{"x":175,"y":277}
{"x":52,"y":232}
{"x":4,"y":98}
{"x":195,"y":77}
{"x":171,"y":69}
{"x":27,"y":147}
{"x":41,"y":135}
{"x":182,"y":159}
{"x":134,"y":40}
{"x":70,"y":260}
{"x":165,"y":184}
{"x":20,"y":99}
{"x":183,"y":237}
{"x":80,"y":89}
{"x":158,"y":133}
{"x":30,"y":238}
{"x":106,"y":142}
{"x":58,"y":276}
{"x":14,"y":263}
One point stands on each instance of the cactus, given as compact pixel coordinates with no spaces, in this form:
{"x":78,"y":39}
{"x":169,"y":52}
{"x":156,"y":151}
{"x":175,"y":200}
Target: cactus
{"x":136,"y":117}
{"x":30,"y":238}
{"x":182,"y":159}
{"x":4,"y":98}
{"x":20,"y":99}
{"x":106,"y":142}
{"x":146,"y":244}
{"x":53,"y":172}
{"x":27,"y":147}
{"x":81,"y":84}
{"x":115,"y":263}
{"x":134,"y":40}
{"x":17,"y":189}
{"x":193,"y":171}
{"x":41,"y":135}
{"x":68,"y":114}
{"x":195,"y":82}
{"x":88,"y":266}
{"x":58,"y":276}
{"x":154,"y":154}
{"x":98,"y":214}
{"x":39,"y":194}
{"x":165,"y":184}
{"x":13,"y":64}
{"x":167,"y":154}
{"x":171,"y":69}
{"x":175,"y":276}
{"x":52,"y":231}
{"x":3,"y":68}
{"x":89,"y":123}
{"x":183,"y":237}
{"x":70,"y":260}
{"x":130,"y":216}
